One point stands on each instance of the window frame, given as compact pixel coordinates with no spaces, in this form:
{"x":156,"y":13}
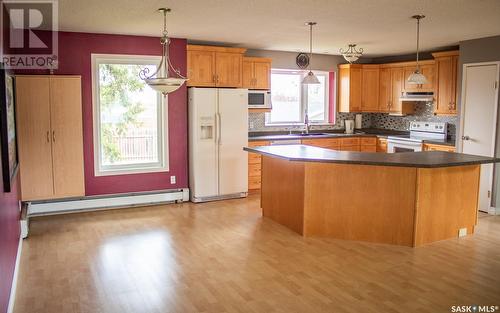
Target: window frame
{"x":162,"y":119}
{"x":303,"y":100}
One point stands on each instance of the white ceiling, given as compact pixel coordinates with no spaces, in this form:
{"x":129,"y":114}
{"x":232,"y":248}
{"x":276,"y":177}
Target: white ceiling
{"x":381,"y":27}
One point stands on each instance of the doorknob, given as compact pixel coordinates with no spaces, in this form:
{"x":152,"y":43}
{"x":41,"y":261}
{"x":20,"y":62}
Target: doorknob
{"x":465,"y":138}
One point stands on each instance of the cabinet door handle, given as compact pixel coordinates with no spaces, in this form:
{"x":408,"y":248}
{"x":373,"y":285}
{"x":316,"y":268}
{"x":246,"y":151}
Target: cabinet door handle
{"x":213,"y":78}
{"x":53,"y":136}
{"x":48,"y":136}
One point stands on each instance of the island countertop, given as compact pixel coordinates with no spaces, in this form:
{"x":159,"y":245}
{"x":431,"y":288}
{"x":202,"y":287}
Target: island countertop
{"x":427,"y":159}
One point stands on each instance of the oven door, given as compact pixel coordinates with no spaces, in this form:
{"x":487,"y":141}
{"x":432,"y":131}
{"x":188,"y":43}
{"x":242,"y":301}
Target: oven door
{"x":395,"y":146}
{"x":259,"y":99}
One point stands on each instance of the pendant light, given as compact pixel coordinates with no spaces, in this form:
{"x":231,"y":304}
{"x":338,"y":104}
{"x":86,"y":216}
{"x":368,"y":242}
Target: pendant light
{"x":310,"y":79}
{"x":163,"y":82}
{"x":351,"y":54}
{"x":416,"y":77}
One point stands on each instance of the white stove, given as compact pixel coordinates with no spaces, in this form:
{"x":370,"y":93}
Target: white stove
{"x":419,"y":131}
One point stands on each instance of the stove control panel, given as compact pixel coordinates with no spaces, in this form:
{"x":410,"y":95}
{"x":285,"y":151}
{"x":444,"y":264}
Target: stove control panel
{"x":431,"y":127}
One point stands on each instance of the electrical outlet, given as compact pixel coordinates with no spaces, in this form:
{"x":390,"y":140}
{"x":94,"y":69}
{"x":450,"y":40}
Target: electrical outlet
{"x":251,"y":125}
{"x":172,"y":180}
{"x":462,"y":232}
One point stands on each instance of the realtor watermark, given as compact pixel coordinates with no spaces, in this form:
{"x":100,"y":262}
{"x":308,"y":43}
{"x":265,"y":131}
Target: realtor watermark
{"x":475,"y":308}
{"x":29,"y":34}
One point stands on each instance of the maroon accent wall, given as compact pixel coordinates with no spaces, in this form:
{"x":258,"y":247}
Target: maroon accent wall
{"x":75,"y":51}
{"x":9,"y":239}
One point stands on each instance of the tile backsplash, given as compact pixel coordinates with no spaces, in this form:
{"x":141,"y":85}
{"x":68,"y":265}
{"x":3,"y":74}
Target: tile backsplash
{"x":256,"y":123}
{"x":423,"y":112}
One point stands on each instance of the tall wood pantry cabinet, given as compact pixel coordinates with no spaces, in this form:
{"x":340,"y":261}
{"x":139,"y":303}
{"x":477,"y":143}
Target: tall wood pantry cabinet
{"x":50,"y":136}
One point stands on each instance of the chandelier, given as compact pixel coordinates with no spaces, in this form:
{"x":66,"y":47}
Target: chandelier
{"x":160,"y":80}
{"x":416,"y":77}
{"x":351,"y":54}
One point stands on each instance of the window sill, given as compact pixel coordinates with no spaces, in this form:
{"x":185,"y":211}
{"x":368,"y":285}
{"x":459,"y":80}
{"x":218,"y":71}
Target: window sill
{"x":116,"y":172}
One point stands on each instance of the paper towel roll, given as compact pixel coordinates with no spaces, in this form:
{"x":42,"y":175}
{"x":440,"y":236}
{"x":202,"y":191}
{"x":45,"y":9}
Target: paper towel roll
{"x":359,"y":121}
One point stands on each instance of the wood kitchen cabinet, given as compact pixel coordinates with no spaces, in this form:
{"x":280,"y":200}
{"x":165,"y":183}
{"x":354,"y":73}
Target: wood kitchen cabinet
{"x":354,"y":143}
{"x":370,"y":88}
{"x":381,"y":144}
{"x":436,"y":147}
{"x":390,"y":90}
{"x":49,"y":134}
{"x":209,"y":66}
{"x":446,"y":86}
{"x":256,"y":73}
{"x":350,"y":87}
{"x":254,"y":165}
{"x":368,"y":144}
{"x":385,"y":90}
{"x":327,"y":143}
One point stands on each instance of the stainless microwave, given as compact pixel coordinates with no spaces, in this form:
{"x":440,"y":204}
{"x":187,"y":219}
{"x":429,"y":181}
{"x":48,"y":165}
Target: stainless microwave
{"x":259,"y":99}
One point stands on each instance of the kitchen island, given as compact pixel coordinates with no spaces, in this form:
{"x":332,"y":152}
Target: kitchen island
{"x":409,"y":199}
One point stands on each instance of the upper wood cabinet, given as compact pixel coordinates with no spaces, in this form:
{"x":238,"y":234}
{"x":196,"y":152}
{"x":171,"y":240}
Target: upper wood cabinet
{"x":50,"y":139}
{"x":350,"y":87}
{"x":256,"y":73}
{"x":209,"y":66}
{"x":385,"y":90}
{"x":390,"y":90}
{"x":397,"y":82}
{"x":427,"y":68}
{"x":201,"y":68}
{"x":370,"y":88}
{"x":446,"y":86}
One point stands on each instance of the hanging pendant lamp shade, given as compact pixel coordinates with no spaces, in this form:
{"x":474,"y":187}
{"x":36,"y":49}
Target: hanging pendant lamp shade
{"x":310,"y":79}
{"x":416,"y":77}
{"x":160,"y":80}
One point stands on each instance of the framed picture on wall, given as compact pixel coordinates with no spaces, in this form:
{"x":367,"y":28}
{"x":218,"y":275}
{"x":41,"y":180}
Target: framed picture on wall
{"x":8,"y":129}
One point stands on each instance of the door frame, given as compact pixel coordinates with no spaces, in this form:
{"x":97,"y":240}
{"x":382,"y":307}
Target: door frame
{"x":495,"y":122}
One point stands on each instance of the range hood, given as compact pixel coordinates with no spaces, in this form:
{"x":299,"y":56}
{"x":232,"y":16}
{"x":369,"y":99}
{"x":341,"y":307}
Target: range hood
{"x":417,"y":96}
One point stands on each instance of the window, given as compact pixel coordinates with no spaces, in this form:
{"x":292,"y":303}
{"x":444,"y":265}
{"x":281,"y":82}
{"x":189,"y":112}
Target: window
{"x":129,"y":119}
{"x":291,"y":99}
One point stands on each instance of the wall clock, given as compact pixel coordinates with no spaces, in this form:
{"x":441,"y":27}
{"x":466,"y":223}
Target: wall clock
{"x":302,"y":60}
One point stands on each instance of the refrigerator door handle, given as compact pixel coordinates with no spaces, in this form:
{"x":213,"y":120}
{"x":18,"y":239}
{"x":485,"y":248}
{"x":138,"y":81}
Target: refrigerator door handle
{"x":219,"y":123}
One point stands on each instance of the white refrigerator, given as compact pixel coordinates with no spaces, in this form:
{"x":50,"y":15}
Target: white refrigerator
{"x":218,"y":131}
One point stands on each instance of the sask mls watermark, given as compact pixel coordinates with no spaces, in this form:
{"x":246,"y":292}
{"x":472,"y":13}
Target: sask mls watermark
{"x":29,"y":34}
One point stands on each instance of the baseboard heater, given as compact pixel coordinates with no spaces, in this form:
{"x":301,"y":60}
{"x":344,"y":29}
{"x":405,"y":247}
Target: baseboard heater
{"x":92,"y":203}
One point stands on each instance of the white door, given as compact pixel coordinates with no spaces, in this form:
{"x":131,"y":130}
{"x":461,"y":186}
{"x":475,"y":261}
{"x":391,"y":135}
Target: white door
{"x":233,"y":127}
{"x":203,"y":165}
{"x":479,"y":116}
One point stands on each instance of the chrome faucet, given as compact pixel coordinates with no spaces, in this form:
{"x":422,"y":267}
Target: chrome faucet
{"x":306,"y":122}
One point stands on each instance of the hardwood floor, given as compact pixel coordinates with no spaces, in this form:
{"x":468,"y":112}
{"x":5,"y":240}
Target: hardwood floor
{"x":224,"y":257}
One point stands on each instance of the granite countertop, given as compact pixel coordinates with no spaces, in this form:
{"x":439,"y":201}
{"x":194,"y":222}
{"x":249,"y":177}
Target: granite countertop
{"x":427,"y":159}
{"x":364,"y":132}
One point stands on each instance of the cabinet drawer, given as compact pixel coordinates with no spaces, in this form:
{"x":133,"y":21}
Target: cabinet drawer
{"x":367,"y":141}
{"x":351,"y":141}
{"x":433,"y":147}
{"x":323,"y":143}
{"x":372,"y":148}
{"x":349,"y":148}
{"x":254,"y":170}
{"x":258,"y":143}
{"x":254,"y":182}
{"x":254,"y":158}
